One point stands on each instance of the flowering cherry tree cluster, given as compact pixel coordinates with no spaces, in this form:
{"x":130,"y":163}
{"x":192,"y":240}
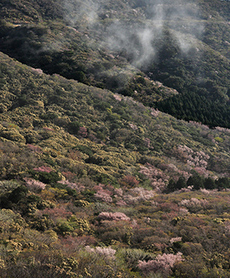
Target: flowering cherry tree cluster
{"x":76,"y":186}
{"x":118,"y":192}
{"x":113,"y":216}
{"x":173,"y":171}
{"x":222,"y":129}
{"x":37,"y":71}
{"x":122,"y":197}
{"x":183,"y":212}
{"x":194,"y":202}
{"x":154,"y":112}
{"x":157,"y":177}
{"x":199,"y":125}
{"x":69,"y":175}
{"x":148,"y":143}
{"x":133,"y":126}
{"x":121,"y":203}
{"x":163,"y":263}
{"x":132,"y":196}
{"x":35,"y":185}
{"x":186,"y":189}
{"x":175,"y":239}
{"x":202,"y":171}
{"x":46,"y":169}
{"x":72,"y":243}
{"x":117,"y":97}
{"x":205,"y":191}
{"x":192,"y":158}
{"x":103,"y":194}
{"x":138,"y":194}
{"x":107,"y":252}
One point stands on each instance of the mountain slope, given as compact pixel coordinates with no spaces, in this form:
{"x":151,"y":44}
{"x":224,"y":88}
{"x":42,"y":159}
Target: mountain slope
{"x":82,"y":174}
{"x":105,"y":44}
{"x":32,"y":103}
{"x":95,"y":181}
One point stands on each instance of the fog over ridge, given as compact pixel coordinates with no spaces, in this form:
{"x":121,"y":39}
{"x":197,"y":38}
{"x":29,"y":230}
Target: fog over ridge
{"x":117,"y":27}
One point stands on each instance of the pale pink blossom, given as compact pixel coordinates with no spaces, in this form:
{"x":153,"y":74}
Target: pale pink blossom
{"x":147,"y":142}
{"x":154,"y":112}
{"x":117,"y":97}
{"x":198,"y":159}
{"x":138,"y":194}
{"x":157,"y":177}
{"x":175,"y":239}
{"x":134,"y":127}
{"x":222,"y":129}
{"x":107,"y":252}
{"x":118,"y":191}
{"x":116,"y":216}
{"x":38,"y":71}
{"x":205,"y":191}
{"x":194,"y":202}
{"x":35,"y":185}
{"x":186,"y":189}
{"x":183,"y":212}
{"x":163,"y":263}
{"x":121,"y":203}
{"x":76,"y":186}
{"x":199,"y":125}
{"x":46,"y":169}
{"x":103,"y":194}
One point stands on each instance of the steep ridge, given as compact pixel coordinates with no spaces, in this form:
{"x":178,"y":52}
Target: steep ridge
{"x":33,"y":102}
{"x":122,"y":46}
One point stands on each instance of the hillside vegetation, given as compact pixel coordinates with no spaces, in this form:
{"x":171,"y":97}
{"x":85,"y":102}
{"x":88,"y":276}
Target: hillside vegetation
{"x":124,"y":46}
{"x":82,"y":166}
{"x":95,"y":180}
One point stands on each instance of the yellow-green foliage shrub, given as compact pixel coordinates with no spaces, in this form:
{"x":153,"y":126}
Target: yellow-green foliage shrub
{"x":13,"y":135}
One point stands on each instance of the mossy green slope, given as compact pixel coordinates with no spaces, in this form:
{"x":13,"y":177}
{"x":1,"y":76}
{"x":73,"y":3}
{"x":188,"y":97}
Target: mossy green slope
{"x":113,"y":134}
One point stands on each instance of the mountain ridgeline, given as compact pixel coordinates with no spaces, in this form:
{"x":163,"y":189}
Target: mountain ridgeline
{"x":128,"y":45}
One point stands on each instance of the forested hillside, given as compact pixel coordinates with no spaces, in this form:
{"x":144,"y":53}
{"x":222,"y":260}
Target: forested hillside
{"x":95,"y":180}
{"x":127,"y":46}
